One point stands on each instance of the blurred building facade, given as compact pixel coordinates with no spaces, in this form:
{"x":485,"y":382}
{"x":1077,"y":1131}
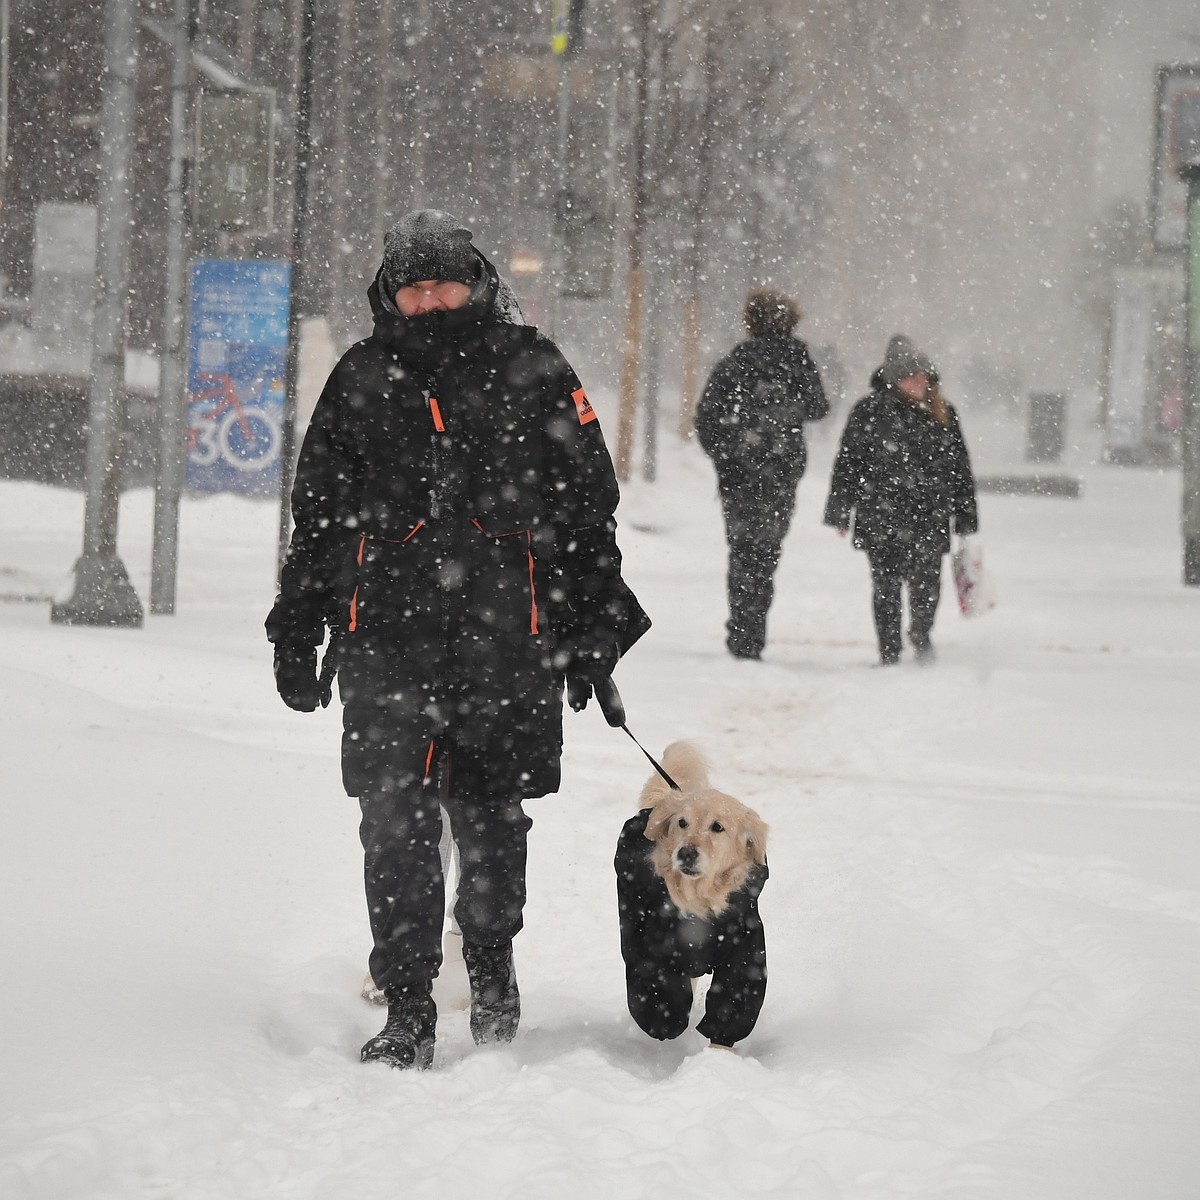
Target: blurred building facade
{"x":893,"y":166}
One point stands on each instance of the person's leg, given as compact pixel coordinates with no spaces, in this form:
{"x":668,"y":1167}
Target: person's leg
{"x":452,"y":936}
{"x":736,"y":589}
{"x":755,"y":534}
{"x":885,"y":606}
{"x":490,"y":831}
{"x":924,"y":593}
{"x":400,"y":830}
{"x":402,"y":872}
{"x":747,"y":630}
{"x":491,"y":837}
{"x":764,"y":549}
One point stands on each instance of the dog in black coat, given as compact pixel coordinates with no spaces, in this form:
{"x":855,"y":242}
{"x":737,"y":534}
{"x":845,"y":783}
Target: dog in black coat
{"x":690,"y":866}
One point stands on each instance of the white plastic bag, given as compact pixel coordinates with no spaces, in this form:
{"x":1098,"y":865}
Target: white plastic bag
{"x":972,"y":583}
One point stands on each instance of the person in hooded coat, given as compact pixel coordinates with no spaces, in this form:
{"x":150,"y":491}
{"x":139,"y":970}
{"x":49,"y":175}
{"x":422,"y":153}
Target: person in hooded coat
{"x":902,"y":480}
{"x":454,"y":531}
{"x":750,"y":422}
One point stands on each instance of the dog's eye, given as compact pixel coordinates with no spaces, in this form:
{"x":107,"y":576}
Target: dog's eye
{"x":683,"y":823}
{"x":717,"y":827}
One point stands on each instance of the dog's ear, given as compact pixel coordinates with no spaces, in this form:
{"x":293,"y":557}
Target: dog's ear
{"x":755,"y":829}
{"x":658,"y":820}
{"x":653,"y":791}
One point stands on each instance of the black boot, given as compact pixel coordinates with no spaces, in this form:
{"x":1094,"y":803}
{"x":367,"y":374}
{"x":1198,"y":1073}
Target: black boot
{"x":923,"y":650}
{"x":495,"y":1001}
{"x":407,"y":1038}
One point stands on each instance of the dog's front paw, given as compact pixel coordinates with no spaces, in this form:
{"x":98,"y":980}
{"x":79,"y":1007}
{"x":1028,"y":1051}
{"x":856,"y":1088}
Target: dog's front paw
{"x":370,"y":993}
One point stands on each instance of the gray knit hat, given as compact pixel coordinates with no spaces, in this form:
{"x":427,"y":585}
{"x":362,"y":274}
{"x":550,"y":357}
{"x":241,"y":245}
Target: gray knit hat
{"x":428,"y":245}
{"x":903,"y":359}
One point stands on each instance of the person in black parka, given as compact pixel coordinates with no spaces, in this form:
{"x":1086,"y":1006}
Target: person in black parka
{"x":454,"y":530}
{"x":902,"y":479}
{"x":750,"y":422}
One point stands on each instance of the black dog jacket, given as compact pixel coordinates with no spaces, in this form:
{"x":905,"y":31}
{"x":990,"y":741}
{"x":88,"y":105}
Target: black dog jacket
{"x":664,"y":950}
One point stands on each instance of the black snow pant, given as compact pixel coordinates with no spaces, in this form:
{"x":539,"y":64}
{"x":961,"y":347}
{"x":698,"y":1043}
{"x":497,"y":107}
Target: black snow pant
{"x":754,"y":528}
{"x":919,"y":568}
{"x":406,"y":898}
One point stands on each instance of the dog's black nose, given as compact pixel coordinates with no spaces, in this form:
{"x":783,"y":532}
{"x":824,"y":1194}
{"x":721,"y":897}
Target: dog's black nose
{"x":687,"y":855}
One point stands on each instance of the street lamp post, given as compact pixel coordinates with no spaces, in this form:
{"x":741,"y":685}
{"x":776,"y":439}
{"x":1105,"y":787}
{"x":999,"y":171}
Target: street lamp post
{"x":1189,"y":170}
{"x":301,"y":289}
{"x":172,"y":381}
{"x":103,"y":594}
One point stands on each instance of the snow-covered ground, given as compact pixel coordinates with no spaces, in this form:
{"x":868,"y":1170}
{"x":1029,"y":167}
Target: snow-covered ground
{"x":983,"y":918}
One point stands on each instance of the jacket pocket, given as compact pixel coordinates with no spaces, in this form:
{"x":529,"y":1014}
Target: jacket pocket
{"x":387,"y":578}
{"x":505,"y":582}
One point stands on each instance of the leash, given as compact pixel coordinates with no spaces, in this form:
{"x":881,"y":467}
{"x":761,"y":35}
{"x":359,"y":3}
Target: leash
{"x":613,"y":709}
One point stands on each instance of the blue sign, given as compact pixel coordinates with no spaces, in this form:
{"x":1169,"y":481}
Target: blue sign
{"x":237,"y":365}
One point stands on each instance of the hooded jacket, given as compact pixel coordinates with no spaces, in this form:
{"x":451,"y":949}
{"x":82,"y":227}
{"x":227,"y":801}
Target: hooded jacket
{"x":751,"y":415}
{"x":901,"y":478}
{"x":453,"y":508}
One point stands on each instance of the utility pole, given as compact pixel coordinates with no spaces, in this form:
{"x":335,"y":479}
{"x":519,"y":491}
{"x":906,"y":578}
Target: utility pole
{"x":561,"y":46}
{"x":5,"y":73}
{"x":103,"y":594}
{"x":173,"y":370}
{"x":383,"y":197}
{"x":423,"y":78}
{"x":694,"y":262}
{"x":635,"y":291}
{"x":300,"y":285}
{"x":1189,"y":170}
{"x":652,"y":379}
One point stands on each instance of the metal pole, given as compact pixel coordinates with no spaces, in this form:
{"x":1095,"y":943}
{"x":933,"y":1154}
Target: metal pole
{"x":423,"y":77}
{"x":697,"y":210}
{"x":561,"y":199}
{"x":635,"y":288}
{"x":300,"y":288}
{"x":652,"y":382}
{"x":1191,"y":402}
{"x":172,"y":387}
{"x":385,"y":117}
{"x":5,"y":62}
{"x":103,"y":594}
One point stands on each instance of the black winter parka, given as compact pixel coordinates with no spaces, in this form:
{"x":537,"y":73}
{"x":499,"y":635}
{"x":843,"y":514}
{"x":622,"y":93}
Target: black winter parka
{"x":453,"y":508}
{"x":901,"y":479}
{"x":751,"y":415}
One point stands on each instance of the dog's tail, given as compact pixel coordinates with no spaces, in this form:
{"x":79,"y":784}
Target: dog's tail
{"x":685,"y":764}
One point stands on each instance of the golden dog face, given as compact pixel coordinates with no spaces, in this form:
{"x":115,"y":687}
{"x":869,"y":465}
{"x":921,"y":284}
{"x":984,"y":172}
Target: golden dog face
{"x":705,"y":844}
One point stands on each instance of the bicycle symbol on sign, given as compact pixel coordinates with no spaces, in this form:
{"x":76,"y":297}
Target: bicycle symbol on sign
{"x":245,"y":436}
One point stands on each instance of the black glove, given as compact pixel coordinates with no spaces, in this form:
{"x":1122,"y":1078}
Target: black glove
{"x":587,"y":660}
{"x":296,"y":677}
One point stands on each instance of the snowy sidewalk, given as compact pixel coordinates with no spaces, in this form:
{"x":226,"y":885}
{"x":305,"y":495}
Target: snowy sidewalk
{"x":983,"y":918}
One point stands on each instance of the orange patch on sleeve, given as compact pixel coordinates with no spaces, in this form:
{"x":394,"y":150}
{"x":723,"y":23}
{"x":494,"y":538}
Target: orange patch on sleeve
{"x":583,"y":406}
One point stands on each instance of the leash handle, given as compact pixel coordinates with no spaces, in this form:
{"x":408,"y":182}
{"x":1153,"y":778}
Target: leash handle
{"x":610,"y":703}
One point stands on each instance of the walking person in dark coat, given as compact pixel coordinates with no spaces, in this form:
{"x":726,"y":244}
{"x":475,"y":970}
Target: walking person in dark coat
{"x":454,"y":530}
{"x":902,"y":479}
{"x":750,"y":422}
